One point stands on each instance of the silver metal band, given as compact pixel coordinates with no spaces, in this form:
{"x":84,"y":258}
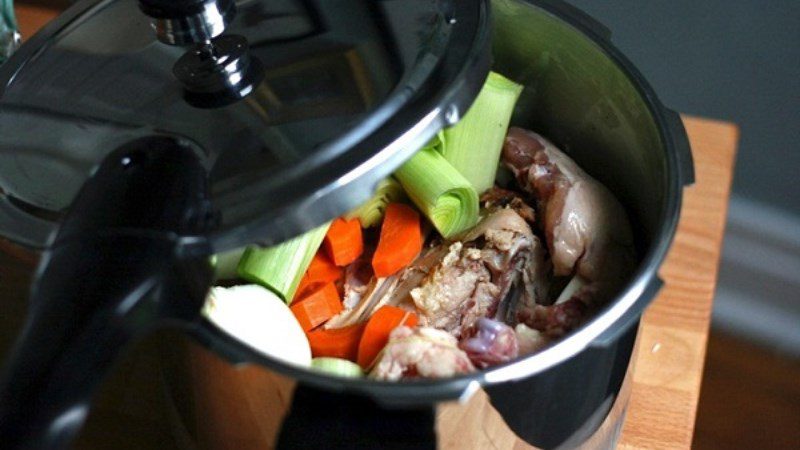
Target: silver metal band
{"x":199,"y":27}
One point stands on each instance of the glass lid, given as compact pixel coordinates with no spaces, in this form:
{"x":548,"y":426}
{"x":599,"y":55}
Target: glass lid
{"x":297,"y":108}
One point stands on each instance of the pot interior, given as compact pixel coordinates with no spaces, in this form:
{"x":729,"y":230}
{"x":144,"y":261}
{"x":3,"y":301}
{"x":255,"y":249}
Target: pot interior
{"x":594,"y":107}
{"x":581,"y":99}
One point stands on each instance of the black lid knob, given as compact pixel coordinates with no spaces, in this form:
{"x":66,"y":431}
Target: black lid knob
{"x":219,"y":72}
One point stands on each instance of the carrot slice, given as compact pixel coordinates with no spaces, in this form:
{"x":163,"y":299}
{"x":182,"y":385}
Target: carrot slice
{"x":343,"y":242}
{"x":321,"y":270}
{"x":400,"y":241}
{"x":317,"y":307}
{"x":305,"y":288}
{"x":376,"y":334}
{"x":336,"y":343}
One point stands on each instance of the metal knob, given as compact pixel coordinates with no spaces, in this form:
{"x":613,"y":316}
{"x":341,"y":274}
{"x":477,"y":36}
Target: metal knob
{"x":183,"y":22}
{"x":218,"y":72}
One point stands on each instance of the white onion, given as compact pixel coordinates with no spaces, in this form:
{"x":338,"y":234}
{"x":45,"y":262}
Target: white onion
{"x":260,"y":319}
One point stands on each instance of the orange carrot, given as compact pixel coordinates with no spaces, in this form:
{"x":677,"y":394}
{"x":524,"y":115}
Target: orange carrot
{"x":317,"y":307}
{"x":343,"y":242}
{"x":336,"y":343}
{"x":400,"y":241}
{"x":322,"y":270}
{"x":376,"y":334}
{"x":305,"y":287}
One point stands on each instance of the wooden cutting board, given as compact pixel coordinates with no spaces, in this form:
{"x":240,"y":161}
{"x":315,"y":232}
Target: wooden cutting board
{"x":134,"y":412}
{"x":674,"y":330}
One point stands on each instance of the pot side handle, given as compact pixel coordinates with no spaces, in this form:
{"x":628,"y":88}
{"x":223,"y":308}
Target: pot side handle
{"x":118,"y":267}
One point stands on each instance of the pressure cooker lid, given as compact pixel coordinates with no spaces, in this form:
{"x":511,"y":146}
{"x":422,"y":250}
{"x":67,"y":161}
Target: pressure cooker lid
{"x":295,"y":107}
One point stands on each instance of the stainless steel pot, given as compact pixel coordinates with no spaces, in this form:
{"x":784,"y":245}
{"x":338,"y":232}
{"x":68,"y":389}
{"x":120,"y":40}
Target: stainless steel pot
{"x":588,"y":98}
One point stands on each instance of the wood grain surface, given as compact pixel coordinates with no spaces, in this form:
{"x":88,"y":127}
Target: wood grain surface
{"x":664,"y":389}
{"x":674,"y":330}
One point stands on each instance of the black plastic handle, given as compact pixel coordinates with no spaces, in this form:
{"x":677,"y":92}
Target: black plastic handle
{"x":120,"y":265}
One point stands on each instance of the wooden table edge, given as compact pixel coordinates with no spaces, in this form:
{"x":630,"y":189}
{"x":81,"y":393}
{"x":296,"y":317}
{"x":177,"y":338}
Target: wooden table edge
{"x":714,"y":145}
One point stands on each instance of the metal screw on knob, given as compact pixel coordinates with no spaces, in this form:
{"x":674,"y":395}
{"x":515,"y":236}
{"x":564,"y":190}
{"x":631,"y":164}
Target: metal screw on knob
{"x":190,"y":21}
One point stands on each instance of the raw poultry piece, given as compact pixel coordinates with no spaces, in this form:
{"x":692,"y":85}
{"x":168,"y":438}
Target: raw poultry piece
{"x":478,"y":272}
{"x":529,"y":340}
{"x":357,"y":277}
{"x":586,"y":229}
{"x":490,"y":343}
{"x":498,"y":198}
{"x":420,"y":352}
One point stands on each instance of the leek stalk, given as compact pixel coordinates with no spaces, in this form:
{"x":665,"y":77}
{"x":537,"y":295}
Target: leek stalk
{"x":371,"y":213}
{"x":280,"y":268}
{"x":474,"y":144}
{"x":446,"y":198}
{"x":225,"y":264}
{"x":337,"y":366}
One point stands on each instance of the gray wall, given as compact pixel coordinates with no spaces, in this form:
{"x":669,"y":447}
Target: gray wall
{"x":730,"y":59}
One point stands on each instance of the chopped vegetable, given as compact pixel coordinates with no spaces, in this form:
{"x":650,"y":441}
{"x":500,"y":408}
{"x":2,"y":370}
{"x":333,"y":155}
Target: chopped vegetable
{"x":466,"y":275}
{"x":446,"y":198}
{"x":376,"y":333}
{"x":281,"y":267}
{"x":474,"y":144}
{"x":337,"y":366}
{"x":259,"y":318}
{"x":371,"y":212}
{"x":336,"y":343}
{"x":317,"y":307}
{"x":343,"y":242}
{"x":400,"y":241}
{"x":321,"y":270}
{"x":225,"y":264}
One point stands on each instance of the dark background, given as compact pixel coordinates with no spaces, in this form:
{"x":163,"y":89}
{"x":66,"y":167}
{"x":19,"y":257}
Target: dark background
{"x":737,"y":60}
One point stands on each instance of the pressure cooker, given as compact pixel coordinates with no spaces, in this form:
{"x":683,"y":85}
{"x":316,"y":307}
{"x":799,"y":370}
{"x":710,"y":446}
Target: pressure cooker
{"x":137,"y":138}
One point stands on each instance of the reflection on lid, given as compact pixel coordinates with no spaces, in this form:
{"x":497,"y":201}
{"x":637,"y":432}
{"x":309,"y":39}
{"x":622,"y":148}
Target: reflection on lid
{"x":334,"y":72}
